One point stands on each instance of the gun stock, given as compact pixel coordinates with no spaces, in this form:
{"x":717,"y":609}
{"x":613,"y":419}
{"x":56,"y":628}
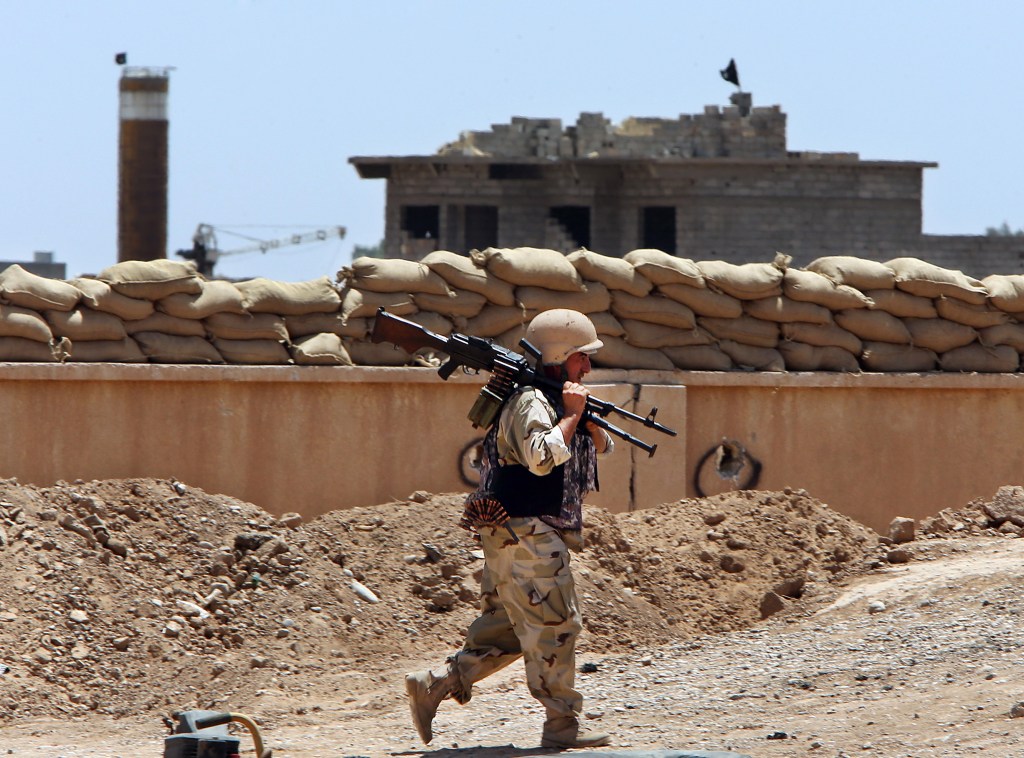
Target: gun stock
{"x":408,"y":335}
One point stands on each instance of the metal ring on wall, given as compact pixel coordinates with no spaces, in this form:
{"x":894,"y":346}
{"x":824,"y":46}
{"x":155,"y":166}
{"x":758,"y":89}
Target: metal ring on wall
{"x":731,"y":460}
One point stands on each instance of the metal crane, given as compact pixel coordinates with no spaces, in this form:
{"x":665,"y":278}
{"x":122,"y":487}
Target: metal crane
{"x":205,"y":251}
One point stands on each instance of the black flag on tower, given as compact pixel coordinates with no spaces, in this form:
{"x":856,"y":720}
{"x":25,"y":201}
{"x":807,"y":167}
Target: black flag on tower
{"x":730,"y":74}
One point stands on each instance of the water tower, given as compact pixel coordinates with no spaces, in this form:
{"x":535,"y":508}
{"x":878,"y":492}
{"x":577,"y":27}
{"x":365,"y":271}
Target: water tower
{"x":142,"y":164}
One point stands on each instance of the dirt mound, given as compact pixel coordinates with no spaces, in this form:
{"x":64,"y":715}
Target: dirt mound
{"x":137,"y":596}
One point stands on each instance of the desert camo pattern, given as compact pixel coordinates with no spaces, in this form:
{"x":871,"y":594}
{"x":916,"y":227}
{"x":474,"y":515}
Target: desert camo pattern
{"x":528,"y":609}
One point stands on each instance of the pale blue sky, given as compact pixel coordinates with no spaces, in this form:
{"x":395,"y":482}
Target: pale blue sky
{"x":269,"y":99}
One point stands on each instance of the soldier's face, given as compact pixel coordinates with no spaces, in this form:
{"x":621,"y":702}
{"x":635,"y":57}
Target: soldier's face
{"x":577,"y":366}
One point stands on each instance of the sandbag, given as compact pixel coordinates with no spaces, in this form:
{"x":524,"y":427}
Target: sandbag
{"x":753,"y":358}
{"x":494,"y":320}
{"x":616,"y":353}
{"x":530,"y":267}
{"x":1004,"y":334}
{"x":745,"y":281}
{"x":511,"y":338}
{"x":100,"y":296}
{"x":376,"y":354}
{"x":874,"y":326}
{"x":703,"y":301}
{"x":83,"y":324}
{"x":902,"y":304}
{"x":978,"y":316}
{"x":169,"y":348}
{"x":799,"y":356}
{"x":161,"y":322}
{"x":289,"y":298}
{"x":125,"y":350}
{"x":938,"y":334}
{"x":887,"y":356}
{"x":256,"y":326}
{"x":928,"y":280}
{"x":1005,"y":291}
{"x":391,"y":275}
{"x":252,"y":352}
{"x":334,"y":323}
{"x":661,"y":268}
{"x":24,"y":323}
{"x":461,"y":273}
{"x":152,"y":280}
{"x":23,"y":288}
{"x":826,"y":335}
{"x":613,"y":273}
{"x":657,"y":336}
{"x":699,"y":358}
{"x":324,"y":349}
{"x":783,"y":310}
{"x":653,"y":308}
{"x":854,"y":272}
{"x":215,"y":297}
{"x":21,"y":350}
{"x":606,"y":323}
{"x":595,"y":298}
{"x":460,"y":304}
{"x":359,"y":304}
{"x":811,"y":287}
{"x":435,"y":322}
{"x":1001,"y":359}
{"x":745,"y":329}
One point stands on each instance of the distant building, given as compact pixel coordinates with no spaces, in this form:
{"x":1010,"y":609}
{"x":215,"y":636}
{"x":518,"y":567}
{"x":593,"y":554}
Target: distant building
{"x":717,"y":185}
{"x":42,"y":263}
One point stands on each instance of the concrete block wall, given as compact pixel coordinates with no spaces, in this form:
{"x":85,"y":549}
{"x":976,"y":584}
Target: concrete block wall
{"x":715,"y":133}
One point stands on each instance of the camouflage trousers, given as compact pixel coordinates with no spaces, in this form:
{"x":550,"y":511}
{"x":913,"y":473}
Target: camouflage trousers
{"x":528,"y":609}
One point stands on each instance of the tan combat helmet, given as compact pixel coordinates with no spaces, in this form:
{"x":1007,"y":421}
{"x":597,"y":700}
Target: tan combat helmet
{"x":560,"y":332}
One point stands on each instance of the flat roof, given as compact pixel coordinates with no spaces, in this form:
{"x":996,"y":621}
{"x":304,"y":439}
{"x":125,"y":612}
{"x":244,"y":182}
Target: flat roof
{"x":369,"y":166}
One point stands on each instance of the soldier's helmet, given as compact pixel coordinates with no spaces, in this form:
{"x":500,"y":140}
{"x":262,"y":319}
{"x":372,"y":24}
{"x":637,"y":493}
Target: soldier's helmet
{"x":560,"y":332}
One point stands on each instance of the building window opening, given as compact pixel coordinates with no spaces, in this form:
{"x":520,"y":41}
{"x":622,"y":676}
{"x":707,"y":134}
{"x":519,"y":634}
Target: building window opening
{"x":421,"y":221}
{"x":514,"y":171}
{"x":574,"y":220}
{"x":481,"y":228}
{"x":658,"y":228}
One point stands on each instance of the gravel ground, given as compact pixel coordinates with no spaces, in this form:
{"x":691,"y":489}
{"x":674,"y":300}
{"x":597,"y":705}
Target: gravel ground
{"x":918,"y":661}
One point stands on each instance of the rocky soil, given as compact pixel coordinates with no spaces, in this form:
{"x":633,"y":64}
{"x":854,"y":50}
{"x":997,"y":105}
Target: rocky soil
{"x":759,"y":622}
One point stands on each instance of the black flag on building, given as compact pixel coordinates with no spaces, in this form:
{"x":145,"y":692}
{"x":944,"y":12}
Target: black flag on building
{"x":730,"y":74}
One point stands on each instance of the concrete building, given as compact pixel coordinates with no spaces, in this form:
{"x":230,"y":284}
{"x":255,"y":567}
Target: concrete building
{"x":722,"y":184}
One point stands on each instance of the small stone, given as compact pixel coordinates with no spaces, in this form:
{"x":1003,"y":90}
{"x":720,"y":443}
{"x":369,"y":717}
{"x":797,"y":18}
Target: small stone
{"x":899,"y":555}
{"x":876,"y":606}
{"x":901,"y":529}
{"x":419,"y":496}
{"x":291,"y":520}
{"x":78,"y":616}
{"x":771,"y":603}
{"x":1017,"y":711}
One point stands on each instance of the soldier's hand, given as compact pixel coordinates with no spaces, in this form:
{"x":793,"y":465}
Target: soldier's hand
{"x":574,"y":398}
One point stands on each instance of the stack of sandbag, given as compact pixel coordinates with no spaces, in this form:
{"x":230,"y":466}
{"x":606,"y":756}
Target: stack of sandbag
{"x":658,"y":311}
{"x":163,"y":312}
{"x":651,"y":309}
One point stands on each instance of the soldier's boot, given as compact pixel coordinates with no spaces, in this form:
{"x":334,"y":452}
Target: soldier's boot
{"x":566,"y":732}
{"x":426,"y":690}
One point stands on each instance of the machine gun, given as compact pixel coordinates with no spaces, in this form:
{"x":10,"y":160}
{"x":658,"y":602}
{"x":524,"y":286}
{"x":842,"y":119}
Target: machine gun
{"x":508,"y":369}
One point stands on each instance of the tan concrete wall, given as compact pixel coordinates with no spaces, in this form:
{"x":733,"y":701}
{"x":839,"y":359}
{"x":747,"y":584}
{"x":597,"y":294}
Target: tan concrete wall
{"x":308,"y":439}
{"x":314,"y":439}
{"x":871,"y":446}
